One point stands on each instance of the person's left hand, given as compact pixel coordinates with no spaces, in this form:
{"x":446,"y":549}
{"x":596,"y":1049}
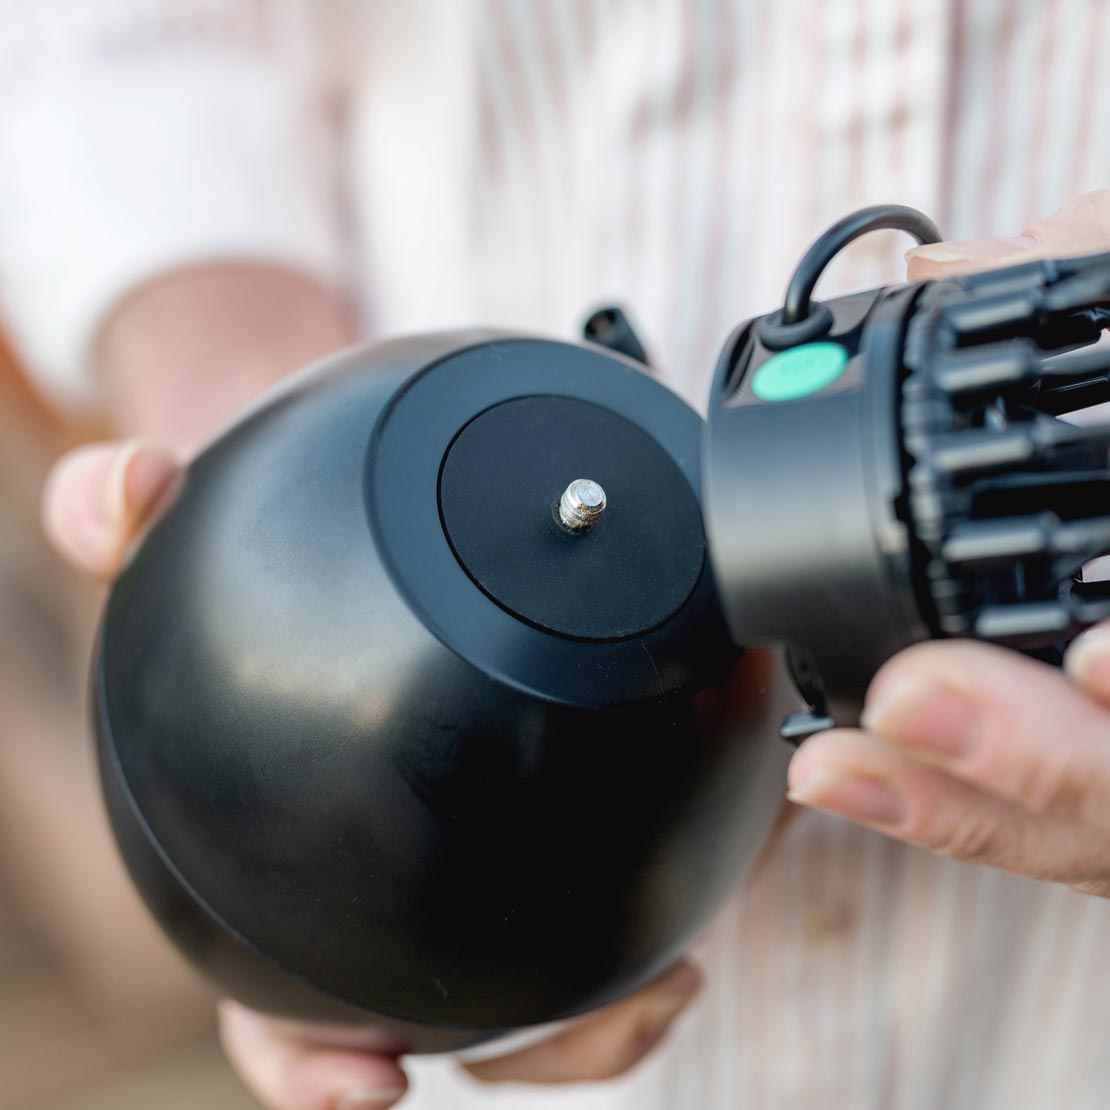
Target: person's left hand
{"x":178,"y":356}
{"x":974,"y":751}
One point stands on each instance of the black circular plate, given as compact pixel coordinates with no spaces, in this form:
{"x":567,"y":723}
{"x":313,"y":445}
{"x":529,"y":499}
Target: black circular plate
{"x":499,"y":487}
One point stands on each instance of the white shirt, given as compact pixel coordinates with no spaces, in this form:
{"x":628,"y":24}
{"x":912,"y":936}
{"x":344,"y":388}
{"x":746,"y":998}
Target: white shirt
{"x":517,"y":162}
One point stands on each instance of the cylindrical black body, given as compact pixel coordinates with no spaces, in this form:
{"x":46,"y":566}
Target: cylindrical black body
{"x":802,"y":500}
{"x":894,"y":467}
{"x":381,"y":742}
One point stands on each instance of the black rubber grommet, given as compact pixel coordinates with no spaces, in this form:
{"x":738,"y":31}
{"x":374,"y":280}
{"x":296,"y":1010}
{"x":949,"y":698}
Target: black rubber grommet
{"x":777,"y":336}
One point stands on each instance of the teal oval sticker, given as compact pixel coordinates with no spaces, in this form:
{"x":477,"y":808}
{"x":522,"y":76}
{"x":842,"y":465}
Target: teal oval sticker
{"x":799,"y":371}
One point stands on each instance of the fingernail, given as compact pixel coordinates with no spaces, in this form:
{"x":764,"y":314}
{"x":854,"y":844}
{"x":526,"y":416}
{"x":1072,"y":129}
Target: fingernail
{"x":928,"y":720}
{"x":972,"y":250}
{"x":364,"y":1098}
{"x":857,"y":797}
{"x":1088,"y":658}
{"x":137,"y":475}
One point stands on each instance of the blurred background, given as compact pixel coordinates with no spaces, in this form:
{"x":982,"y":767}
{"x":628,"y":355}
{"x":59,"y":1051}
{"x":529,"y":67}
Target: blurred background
{"x":75,"y":1033}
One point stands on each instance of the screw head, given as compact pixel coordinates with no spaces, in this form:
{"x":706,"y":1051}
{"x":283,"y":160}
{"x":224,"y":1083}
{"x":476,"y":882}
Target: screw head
{"x":583,"y":501}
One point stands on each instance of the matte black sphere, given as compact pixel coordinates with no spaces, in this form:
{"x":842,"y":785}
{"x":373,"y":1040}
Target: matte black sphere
{"x":384,"y":740}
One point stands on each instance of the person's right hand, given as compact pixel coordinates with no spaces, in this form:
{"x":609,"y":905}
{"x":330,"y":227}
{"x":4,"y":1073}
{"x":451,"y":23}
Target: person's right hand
{"x":98,"y":499}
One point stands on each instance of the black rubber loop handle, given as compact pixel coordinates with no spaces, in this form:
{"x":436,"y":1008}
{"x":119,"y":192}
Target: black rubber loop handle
{"x":881,"y":217}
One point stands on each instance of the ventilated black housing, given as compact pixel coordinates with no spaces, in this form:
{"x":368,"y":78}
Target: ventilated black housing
{"x":892,"y":466}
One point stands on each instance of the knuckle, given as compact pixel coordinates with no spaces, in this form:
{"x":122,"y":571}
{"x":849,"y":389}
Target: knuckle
{"x":615,"y":1050}
{"x":1095,"y":206}
{"x":970,"y":839}
{"x":1053,"y":789}
{"x":1095,"y":888}
{"x":1087,"y":214}
{"x":610,"y":1054}
{"x":590,"y":1055}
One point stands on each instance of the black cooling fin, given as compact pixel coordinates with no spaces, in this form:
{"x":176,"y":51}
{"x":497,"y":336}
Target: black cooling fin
{"x":1007,"y":499}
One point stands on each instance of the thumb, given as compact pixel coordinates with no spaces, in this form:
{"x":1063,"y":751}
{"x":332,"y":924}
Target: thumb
{"x":291,"y":1070}
{"x":1081,"y":227}
{"x":604,"y":1044}
{"x":98,"y":498}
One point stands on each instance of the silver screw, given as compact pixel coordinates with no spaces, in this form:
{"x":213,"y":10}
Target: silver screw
{"x":583,"y":501}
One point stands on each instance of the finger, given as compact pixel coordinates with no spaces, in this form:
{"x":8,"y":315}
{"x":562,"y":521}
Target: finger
{"x":966,"y":256}
{"x":98,"y":497}
{"x":286,"y":1073}
{"x":1006,"y":724}
{"x":863,"y":778}
{"x":1087,"y":663}
{"x":602,"y":1046}
{"x":1081,"y":227}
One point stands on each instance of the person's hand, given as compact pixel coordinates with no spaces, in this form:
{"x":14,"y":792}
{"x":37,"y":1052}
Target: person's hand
{"x":973,"y":751}
{"x":178,"y":357}
{"x":304,"y":1067}
{"x":98,"y":499}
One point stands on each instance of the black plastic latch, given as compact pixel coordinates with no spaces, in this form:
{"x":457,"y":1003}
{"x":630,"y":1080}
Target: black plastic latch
{"x":802,"y":725}
{"x":610,"y":327}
